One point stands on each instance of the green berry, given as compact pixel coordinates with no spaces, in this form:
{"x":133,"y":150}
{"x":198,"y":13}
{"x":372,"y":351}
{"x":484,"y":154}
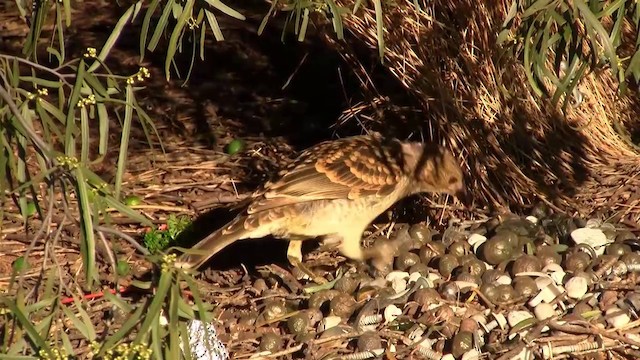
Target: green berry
{"x":123,"y":268}
{"x":132,"y":200}
{"x":235,"y":147}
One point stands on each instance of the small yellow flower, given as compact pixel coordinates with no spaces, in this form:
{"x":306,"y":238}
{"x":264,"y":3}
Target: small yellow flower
{"x":91,"y":53}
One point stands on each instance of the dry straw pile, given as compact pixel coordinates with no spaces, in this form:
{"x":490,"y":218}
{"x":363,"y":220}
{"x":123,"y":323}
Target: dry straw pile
{"x":518,"y":149}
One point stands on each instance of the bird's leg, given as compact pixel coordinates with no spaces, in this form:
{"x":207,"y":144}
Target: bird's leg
{"x":294,"y":255}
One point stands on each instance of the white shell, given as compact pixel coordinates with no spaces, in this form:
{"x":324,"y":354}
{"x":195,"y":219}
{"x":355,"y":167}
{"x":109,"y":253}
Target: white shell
{"x":328,"y":322}
{"x":476,"y":238}
{"x":552,"y":267}
{"x":576,"y":287}
{"x":399,"y":285}
{"x":532,"y":219}
{"x":617,"y":317}
{"x":415,"y":276}
{"x":592,"y":237}
{"x":397,"y":275}
{"x":448,"y":357}
{"x":391,"y":312}
{"x":548,"y":294}
{"x":504,"y":280}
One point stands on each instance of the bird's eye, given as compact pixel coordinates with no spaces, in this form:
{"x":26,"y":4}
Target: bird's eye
{"x":453,"y":180}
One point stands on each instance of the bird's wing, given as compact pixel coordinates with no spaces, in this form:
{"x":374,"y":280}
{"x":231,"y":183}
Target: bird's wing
{"x":348,"y":168}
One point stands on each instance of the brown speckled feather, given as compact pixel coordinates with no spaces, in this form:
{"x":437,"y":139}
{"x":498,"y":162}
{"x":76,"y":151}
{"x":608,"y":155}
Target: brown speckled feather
{"x":349,"y":169}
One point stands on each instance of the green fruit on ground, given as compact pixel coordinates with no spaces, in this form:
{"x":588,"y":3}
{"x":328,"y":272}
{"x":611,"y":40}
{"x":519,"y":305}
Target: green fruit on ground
{"x":235,"y":147}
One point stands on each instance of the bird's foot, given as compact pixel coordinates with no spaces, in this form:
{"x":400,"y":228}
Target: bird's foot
{"x":294,"y":255}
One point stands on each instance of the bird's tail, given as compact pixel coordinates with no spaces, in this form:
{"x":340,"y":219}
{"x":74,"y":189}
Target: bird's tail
{"x":213,"y":243}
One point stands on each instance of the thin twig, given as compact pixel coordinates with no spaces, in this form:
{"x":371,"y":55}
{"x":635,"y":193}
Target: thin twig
{"x":129,"y":239}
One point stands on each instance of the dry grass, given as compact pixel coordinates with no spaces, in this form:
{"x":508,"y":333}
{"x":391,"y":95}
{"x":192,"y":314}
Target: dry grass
{"x":517,"y":149}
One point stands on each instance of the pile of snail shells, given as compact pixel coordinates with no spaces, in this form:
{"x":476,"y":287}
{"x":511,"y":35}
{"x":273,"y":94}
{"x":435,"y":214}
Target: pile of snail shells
{"x":514,"y":268}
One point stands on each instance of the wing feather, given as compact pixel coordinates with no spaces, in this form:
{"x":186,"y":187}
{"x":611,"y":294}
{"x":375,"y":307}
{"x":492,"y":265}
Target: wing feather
{"x":343,"y":169}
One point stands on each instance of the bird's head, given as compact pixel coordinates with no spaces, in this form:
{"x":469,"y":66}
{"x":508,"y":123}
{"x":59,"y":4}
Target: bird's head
{"x":434,"y":169}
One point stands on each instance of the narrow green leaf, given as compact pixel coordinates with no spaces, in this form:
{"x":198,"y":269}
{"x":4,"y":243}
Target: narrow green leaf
{"x":337,"y":18}
{"x":379,"y":28}
{"x":144,"y":32}
{"x":304,"y":25}
{"x":124,"y":141}
{"x":527,"y":62}
{"x":42,"y":82}
{"x":67,"y":11}
{"x":177,"y":31}
{"x":265,"y":19}
{"x":35,"y":338}
{"x":117,"y":301}
{"x":59,"y":29}
{"x":70,"y":118}
{"x":53,"y":110}
{"x":77,"y":323}
{"x":154,"y":311}
{"x":95,"y":85}
{"x":103,"y":120}
{"x":536,"y":7}
{"x":226,"y":9}
{"x":174,"y":338}
{"x":592,"y":22}
{"x":634,"y":66}
{"x":162,"y":24}
{"x":39,"y":305}
{"x":54,"y":52}
{"x":87,"y":243}
{"x":86,"y":142}
{"x":213,"y":24}
{"x":66,"y":342}
{"x":127,"y":211}
{"x":513,"y":10}
{"x":113,"y":37}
